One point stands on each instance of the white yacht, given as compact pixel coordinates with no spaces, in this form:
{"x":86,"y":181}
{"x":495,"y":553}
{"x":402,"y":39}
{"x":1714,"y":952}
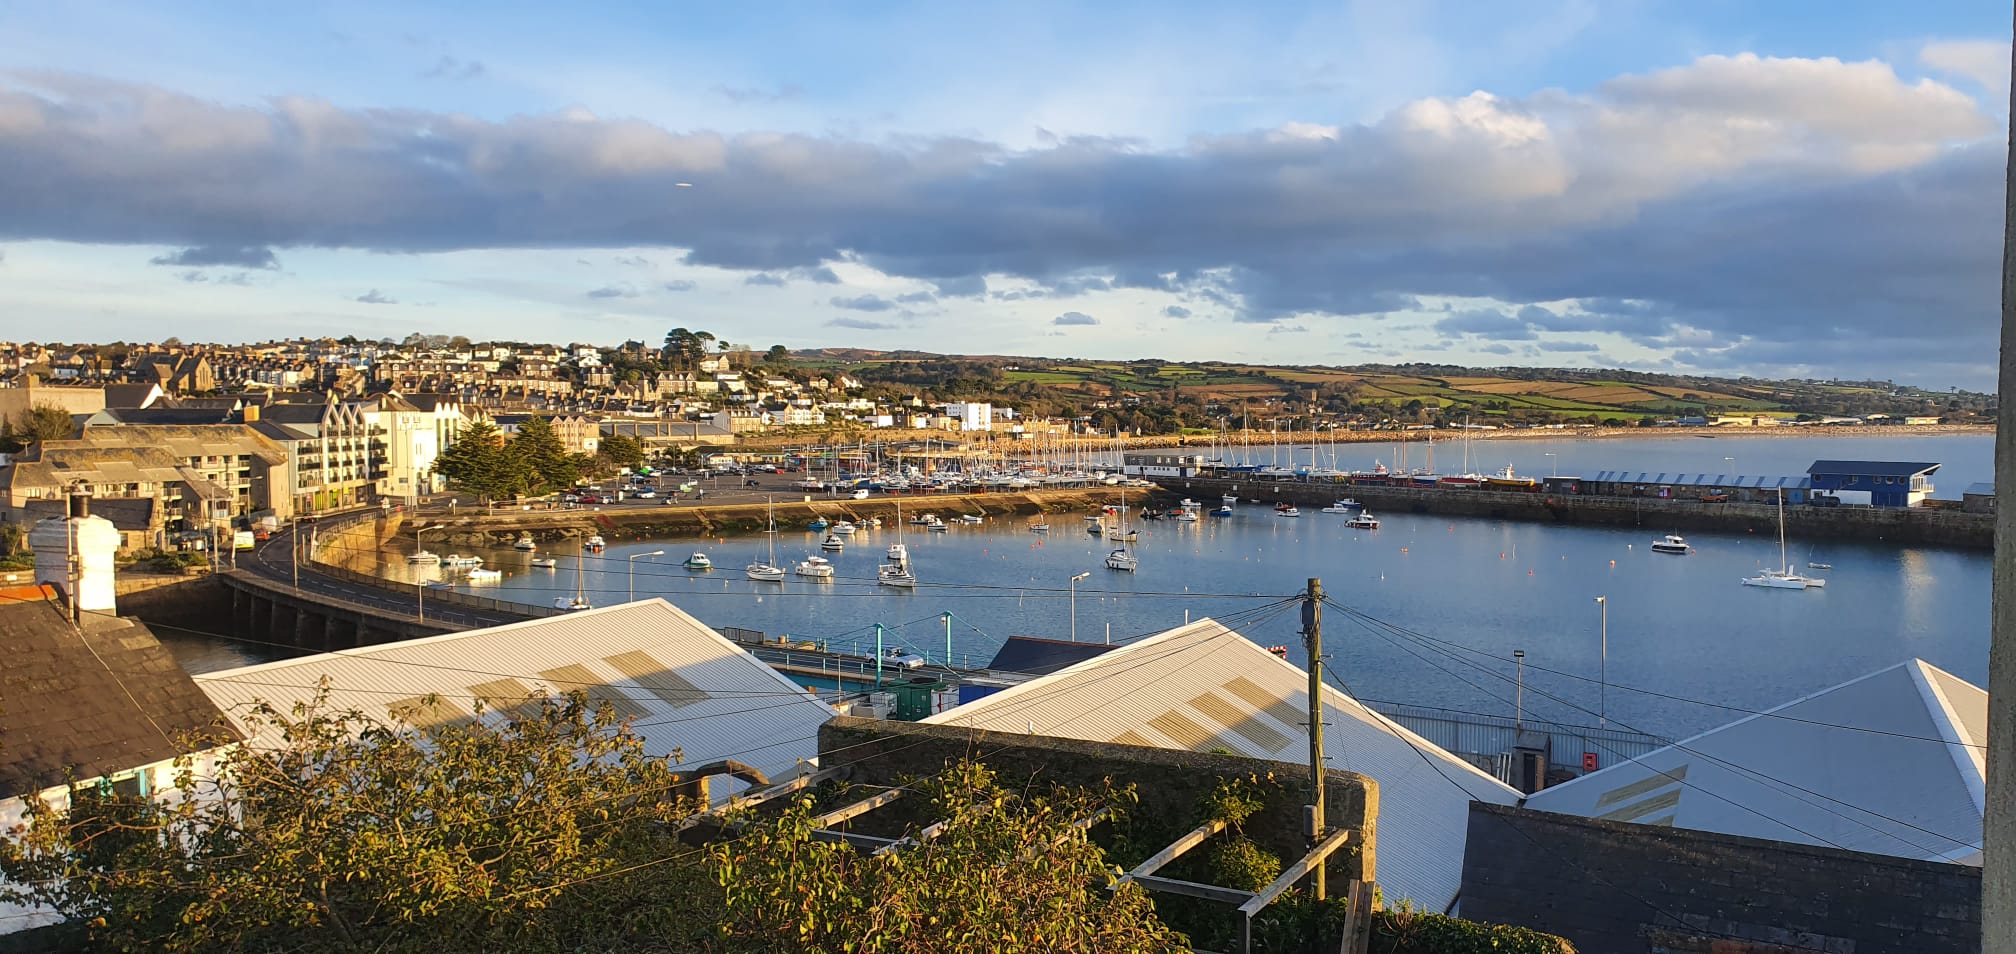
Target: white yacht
{"x":1363,"y":521}
{"x":698,"y":561}
{"x":1786,"y":578}
{"x":832,"y":544}
{"x":1285,"y":509}
{"x":425,"y":557}
{"x":1672,"y":543}
{"x":1344,"y":507}
{"x":1122,"y":559}
{"x":897,"y":575}
{"x":481,"y":576}
{"x":596,"y":542}
{"x":815,"y":568}
{"x":525,"y":543}
{"x":457,"y":559}
{"x":844,"y":528}
{"x":768,"y":571}
{"x":971,"y":518}
{"x":545,"y":563}
{"x":1228,"y":498}
{"x":898,"y":553}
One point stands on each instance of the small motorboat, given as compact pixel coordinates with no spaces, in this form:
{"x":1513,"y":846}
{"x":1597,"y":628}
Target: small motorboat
{"x":1187,"y":515}
{"x":1820,"y":566}
{"x":457,"y":559}
{"x":1224,"y":510}
{"x":815,"y":568}
{"x":1672,"y":543}
{"x":897,"y":575}
{"x":971,"y":518}
{"x":596,"y":542}
{"x":425,"y":557}
{"x":933,"y":524}
{"x":525,"y":543}
{"x":1229,"y":498}
{"x":571,"y":603}
{"x":844,"y":528}
{"x":1132,"y":536}
{"x":1039,"y":528}
{"x":832,"y":544}
{"x":481,"y":576}
{"x":698,"y":561}
{"x":1096,"y":529}
{"x":1363,"y":521}
{"x":1122,"y":559}
{"x":1287,"y":510}
{"x":922,"y":519}
{"x":818,"y":524}
{"x":875,"y":522}
{"x":1342,"y":506}
{"x":545,"y":563}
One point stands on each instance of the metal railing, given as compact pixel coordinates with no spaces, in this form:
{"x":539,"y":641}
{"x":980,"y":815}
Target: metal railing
{"x":1487,"y":737}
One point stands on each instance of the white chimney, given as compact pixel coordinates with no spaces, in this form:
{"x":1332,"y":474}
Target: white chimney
{"x":93,"y":541}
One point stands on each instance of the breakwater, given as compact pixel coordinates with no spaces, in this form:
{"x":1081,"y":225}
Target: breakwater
{"x":1913,"y":526}
{"x":648,"y":522}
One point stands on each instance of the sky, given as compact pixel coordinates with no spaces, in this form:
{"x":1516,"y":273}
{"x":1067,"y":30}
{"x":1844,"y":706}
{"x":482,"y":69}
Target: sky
{"x":1792,"y":188}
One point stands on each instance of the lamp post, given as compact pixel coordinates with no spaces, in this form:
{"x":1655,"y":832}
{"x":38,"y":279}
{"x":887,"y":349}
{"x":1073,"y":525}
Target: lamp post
{"x":632,"y":559}
{"x":419,"y":579}
{"x":946,"y":618}
{"x":1074,"y":604}
{"x":1554,"y":463}
{"x":1603,"y":706}
{"x":1519,"y":697}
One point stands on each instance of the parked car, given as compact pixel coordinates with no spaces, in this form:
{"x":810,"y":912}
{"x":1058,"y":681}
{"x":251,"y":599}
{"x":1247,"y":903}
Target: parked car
{"x":904,"y":658}
{"x":645,"y":494}
{"x":1715,"y":497}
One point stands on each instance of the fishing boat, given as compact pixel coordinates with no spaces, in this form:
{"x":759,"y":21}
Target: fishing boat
{"x":597,"y":543}
{"x":481,"y":576}
{"x":698,"y":561}
{"x":832,"y":544}
{"x":1363,"y":521}
{"x":1672,"y":543}
{"x":815,"y":568}
{"x":844,"y":528}
{"x":818,"y":524}
{"x":1506,"y":480}
{"x":1344,"y":507}
{"x":525,"y":543}
{"x":457,"y":559}
{"x":1224,"y":510}
{"x":1285,"y":509}
{"x":767,"y":571}
{"x":425,"y":557}
{"x":897,"y":575}
{"x":1785,"y":578}
{"x":545,"y":563}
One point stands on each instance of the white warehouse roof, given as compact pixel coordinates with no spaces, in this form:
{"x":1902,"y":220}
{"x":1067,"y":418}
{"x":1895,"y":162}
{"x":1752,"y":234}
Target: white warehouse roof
{"x":684,"y":687}
{"x":1893,"y":763}
{"x":1203,"y":687}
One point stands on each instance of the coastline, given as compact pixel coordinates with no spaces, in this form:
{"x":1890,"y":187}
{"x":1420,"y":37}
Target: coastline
{"x":1263,"y":438}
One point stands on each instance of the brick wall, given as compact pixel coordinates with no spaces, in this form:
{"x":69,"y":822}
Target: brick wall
{"x":1614,"y":887}
{"x":1170,"y":783}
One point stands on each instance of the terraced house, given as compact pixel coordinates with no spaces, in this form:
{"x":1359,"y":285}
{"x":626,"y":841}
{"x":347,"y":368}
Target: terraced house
{"x":152,"y":481}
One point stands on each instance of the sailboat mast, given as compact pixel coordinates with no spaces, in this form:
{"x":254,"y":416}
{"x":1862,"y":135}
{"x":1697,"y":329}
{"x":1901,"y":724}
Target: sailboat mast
{"x":1783,"y":560}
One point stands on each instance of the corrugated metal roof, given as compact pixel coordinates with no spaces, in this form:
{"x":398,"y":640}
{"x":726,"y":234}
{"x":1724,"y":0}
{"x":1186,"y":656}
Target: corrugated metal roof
{"x":1203,"y":687}
{"x":1912,"y":785}
{"x":689,"y":688}
{"x":1677,"y":479}
{"x":1980,"y":489}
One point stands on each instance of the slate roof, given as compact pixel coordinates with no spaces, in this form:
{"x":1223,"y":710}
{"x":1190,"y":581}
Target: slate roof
{"x":1980,"y":489}
{"x":1665,"y":479}
{"x":1894,"y":763}
{"x":1041,"y":657}
{"x":1872,"y":468}
{"x":88,"y":704}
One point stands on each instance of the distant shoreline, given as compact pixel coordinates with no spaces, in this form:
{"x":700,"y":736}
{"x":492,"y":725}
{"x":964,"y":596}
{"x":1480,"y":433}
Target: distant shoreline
{"x":1525,"y":434}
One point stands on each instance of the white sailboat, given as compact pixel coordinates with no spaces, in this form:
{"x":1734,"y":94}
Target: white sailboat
{"x":767,"y":571}
{"x":1122,"y":557}
{"x":1784,"y":578}
{"x":580,"y":600}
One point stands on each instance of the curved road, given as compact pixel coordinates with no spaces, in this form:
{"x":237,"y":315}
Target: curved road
{"x":273,"y":560}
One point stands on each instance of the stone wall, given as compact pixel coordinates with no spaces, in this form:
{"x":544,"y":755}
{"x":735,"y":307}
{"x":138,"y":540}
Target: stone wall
{"x":1906,"y":525}
{"x":1615,"y":887}
{"x":1170,"y":783}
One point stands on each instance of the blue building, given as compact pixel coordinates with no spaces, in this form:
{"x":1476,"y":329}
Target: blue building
{"x":1877,"y":483}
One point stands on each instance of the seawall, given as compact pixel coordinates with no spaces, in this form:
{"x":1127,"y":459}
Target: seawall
{"x":1912,"y":526}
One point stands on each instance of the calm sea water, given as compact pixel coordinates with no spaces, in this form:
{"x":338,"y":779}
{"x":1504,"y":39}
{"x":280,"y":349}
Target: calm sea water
{"x":1441,"y":603}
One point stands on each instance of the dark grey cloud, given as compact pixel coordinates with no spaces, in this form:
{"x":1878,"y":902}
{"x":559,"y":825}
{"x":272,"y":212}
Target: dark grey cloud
{"x":917,"y":298}
{"x":1074,"y":318}
{"x":376,"y":297}
{"x":863,"y":324}
{"x":679,"y":285}
{"x":862,"y":303}
{"x":1568,"y":347}
{"x":766,"y":278}
{"x":1489,"y":323}
{"x":241,"y":279}
{"x":1496,"y":349}
{"x":633,"y":261}
{"x":450,"y":68}
{"x":613,"y":291}
{"x":1600,"y":203}
{"x":205,"y":256}
{"x":1176,"y":311}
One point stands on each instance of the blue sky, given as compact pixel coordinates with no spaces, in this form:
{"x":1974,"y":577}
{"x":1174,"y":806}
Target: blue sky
{"x":1784,"y":188}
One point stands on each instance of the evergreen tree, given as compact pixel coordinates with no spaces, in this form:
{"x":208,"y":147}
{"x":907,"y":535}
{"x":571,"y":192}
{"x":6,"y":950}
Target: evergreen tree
{"x":478,"y":463}
{"x":538,"y":449}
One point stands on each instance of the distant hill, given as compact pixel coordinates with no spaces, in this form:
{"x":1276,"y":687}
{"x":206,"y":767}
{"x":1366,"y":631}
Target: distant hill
{"x":1200,"y":393}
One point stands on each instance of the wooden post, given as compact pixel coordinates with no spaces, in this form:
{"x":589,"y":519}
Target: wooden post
{"x":1312,"y":629}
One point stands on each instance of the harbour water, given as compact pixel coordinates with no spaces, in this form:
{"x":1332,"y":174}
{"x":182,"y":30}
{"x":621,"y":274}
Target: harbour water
{"x":1429,"y":609}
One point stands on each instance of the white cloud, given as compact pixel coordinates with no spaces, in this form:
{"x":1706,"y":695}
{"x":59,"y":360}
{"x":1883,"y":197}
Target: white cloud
{"x":1985,"y":62}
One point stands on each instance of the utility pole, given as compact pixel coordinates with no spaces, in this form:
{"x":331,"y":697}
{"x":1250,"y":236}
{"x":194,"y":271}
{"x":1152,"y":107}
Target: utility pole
{"x":1312,"y":631}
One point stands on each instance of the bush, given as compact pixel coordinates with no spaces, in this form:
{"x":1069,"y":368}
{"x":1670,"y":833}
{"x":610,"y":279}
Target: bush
{"x":168,"y":561}
{"x":1284,"y":926}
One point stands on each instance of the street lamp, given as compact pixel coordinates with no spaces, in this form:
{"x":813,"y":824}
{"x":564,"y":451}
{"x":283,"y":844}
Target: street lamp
{"x":633,"y":570}
{"x":1554,"y":462}
{"x":1074,"y":604}
{"x":946,"y":618}
{"x":420,"y":579}
{"x":1519,"y":698}
{"x":1603,"y":706}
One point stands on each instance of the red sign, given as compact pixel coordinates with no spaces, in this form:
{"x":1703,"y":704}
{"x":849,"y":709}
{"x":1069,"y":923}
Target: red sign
{"x":1588,"y":761}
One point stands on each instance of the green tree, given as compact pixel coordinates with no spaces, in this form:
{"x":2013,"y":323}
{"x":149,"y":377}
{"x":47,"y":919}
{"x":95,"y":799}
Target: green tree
{"x":351,"y":834}
{"x":685,"y":348}
{"x":621,"y":451}
{"x":478,"y":463}
{"x":778,"y":354}
{"x":43,"y":422}
{"x":538,"y":448}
